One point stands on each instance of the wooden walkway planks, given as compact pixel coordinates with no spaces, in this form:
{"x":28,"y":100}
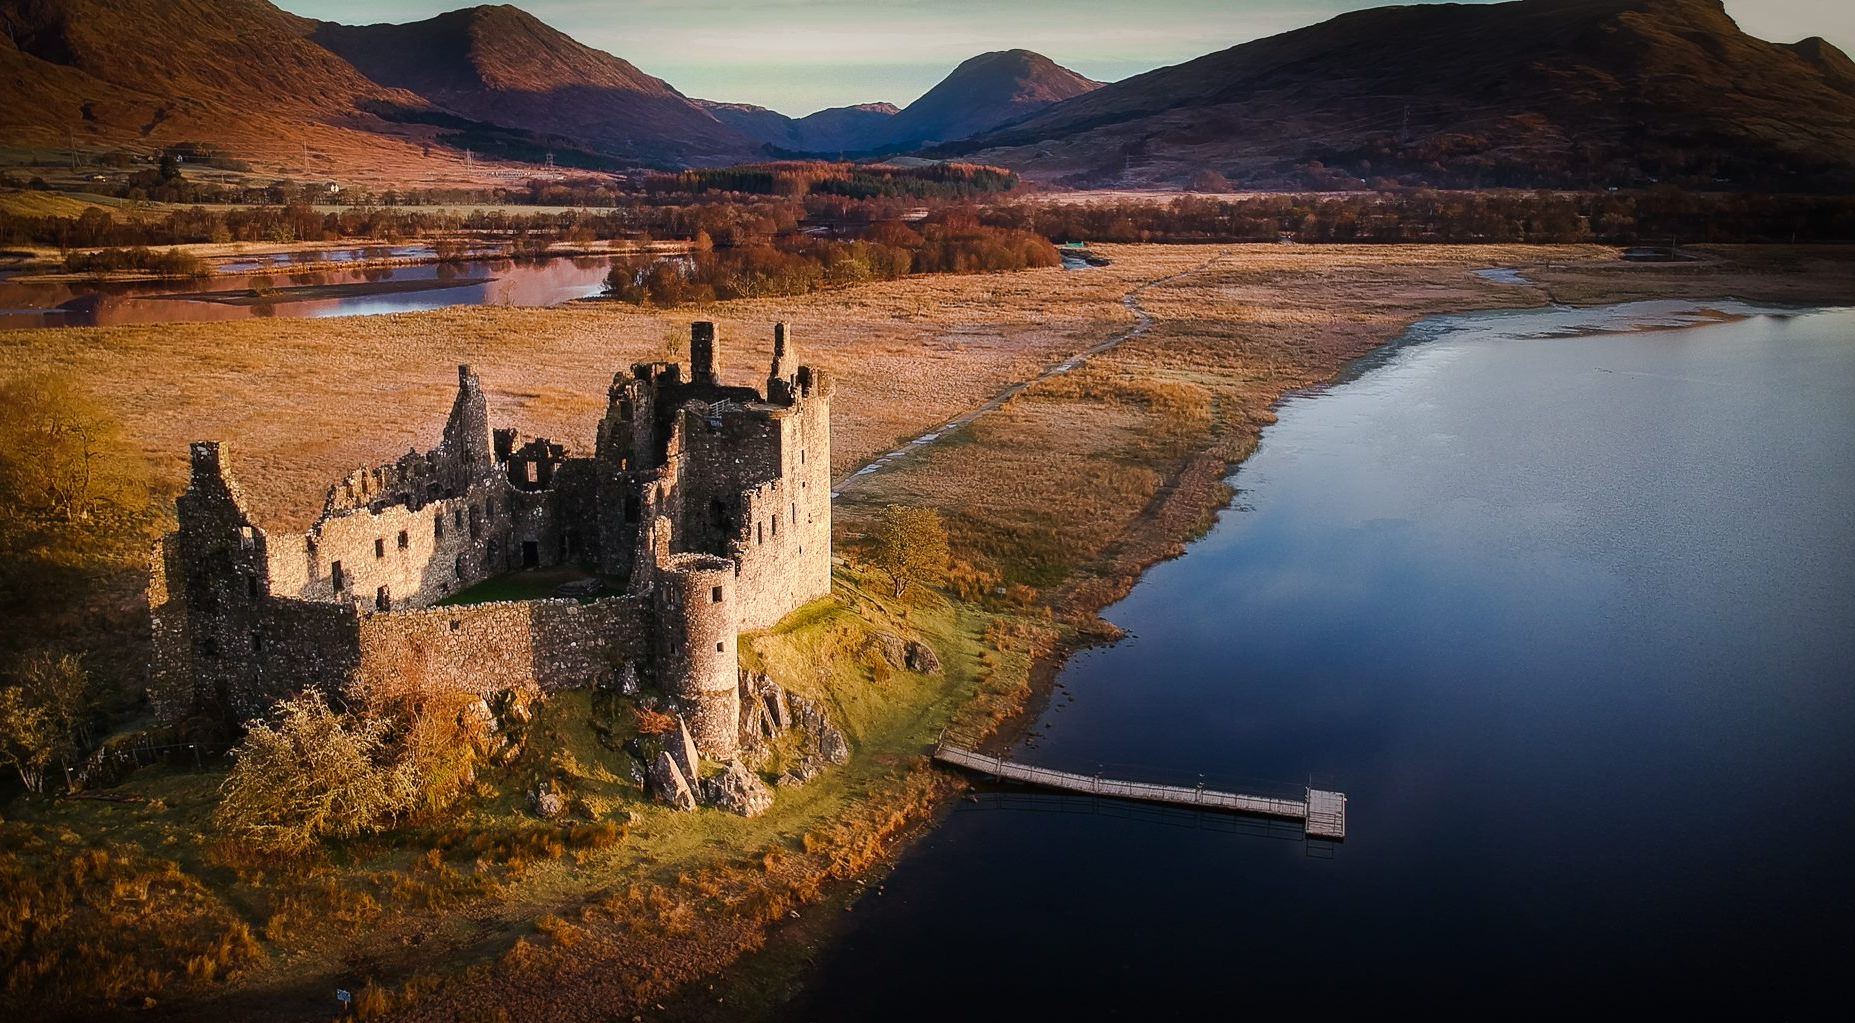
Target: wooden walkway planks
{"x":1322,"y":813}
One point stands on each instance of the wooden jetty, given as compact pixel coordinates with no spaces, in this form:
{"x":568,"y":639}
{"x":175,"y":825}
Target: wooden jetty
{"x":1322,"y":814}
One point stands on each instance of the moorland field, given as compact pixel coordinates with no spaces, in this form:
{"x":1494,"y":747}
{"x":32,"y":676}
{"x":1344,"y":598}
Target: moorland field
{"x":1054,"y":502}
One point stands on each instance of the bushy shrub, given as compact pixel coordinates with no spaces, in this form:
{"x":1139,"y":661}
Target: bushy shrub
{"x":312,"y":772}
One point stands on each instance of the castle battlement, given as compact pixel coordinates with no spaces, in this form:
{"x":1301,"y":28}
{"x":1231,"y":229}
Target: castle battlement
{"x":703,"y":510}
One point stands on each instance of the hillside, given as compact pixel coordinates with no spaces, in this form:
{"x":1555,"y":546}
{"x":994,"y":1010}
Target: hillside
{"x":982,"y":93}
{"x":1535,"y":92}
{"x":833,"y":130}
{"x":502,"y":66}
{"x":144,"y":73}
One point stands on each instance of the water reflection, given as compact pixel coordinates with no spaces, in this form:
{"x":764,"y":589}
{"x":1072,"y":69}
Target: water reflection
{"x":1561,"y":599}
{"x":360,"y":291}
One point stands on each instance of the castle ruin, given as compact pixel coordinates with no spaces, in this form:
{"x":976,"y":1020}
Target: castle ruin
{"x":703,"y":511}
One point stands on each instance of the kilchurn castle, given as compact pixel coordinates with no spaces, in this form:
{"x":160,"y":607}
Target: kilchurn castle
{"x":703,"y":511}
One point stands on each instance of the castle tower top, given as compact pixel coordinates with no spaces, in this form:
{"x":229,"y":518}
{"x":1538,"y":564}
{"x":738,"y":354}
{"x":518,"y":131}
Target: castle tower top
{"x":782,"y":378}
{"x":467,"y":432}
{"x":704,"y":353}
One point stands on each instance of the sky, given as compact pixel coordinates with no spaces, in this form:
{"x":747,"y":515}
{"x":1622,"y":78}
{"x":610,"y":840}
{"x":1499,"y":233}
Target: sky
{"x":798,"y":56}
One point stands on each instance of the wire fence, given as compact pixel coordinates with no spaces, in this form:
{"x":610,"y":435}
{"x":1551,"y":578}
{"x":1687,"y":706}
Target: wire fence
{"x":112,"y":762}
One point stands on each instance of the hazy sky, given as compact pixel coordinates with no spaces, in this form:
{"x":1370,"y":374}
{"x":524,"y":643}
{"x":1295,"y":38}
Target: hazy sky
{"x":797,"y":56}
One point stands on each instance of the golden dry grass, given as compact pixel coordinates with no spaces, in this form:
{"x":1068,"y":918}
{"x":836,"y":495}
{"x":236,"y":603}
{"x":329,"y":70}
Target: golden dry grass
{"x":303,"y":401}
{"x":1084,"y":478}
{"x":1071,"y":486}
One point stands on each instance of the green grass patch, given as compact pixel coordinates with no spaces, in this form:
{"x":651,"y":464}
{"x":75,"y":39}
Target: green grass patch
{"x":529,"y":584}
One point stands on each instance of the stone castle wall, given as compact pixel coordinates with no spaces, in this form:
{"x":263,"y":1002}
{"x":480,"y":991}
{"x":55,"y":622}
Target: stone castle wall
{"x":482,"y":648}
{"x":704,"y":507}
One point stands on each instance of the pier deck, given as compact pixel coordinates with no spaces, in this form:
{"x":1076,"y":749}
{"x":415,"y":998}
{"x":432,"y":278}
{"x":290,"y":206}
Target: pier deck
{"x":1322,"y":813}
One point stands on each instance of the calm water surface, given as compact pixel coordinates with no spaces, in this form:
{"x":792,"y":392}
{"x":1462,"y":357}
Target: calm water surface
{"x":1567,"y":608}
{"x":340,"y":292}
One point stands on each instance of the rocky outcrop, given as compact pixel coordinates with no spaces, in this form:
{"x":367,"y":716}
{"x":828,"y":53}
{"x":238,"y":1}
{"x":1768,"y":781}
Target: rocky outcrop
{"x":738,"y":790}
{"x":683,"y":747}
{"x":668,"y":784}
{"x":922,"y":660}
{"x":546,"y":803}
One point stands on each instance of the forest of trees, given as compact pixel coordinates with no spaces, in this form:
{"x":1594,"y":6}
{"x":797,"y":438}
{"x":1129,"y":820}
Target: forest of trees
{"x":1656,"y":216}
{"x":856,"y":181}
{"x":952,"y":241}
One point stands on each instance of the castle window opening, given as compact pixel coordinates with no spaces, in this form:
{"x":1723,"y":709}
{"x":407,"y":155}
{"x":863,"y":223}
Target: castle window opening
{"x":257,"y":642}
{"x":718,"y":648}
{"x":457,"y":517}
{"x":531,"y":554}
{"x":382,"y":599}
{"x":438,"y":526}
{"x":251,"y":586}
{"x":631,"y":508}
{"x":459,"y":565}
{"x":775,"y":521}
{"x":759,"y":533}
{"x":380,"y":547}
{"x":624,"y":410}
{"x":336,"y":578}
{"x":795,"y":513}
{"x":404,"y":540}
{"x":715,"y":595}
{"x":530,"y":473}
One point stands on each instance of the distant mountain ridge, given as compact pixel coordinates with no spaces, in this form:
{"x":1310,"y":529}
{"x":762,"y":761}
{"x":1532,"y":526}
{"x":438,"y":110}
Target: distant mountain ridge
{"x":503,"y":66}
{"x":1530,"y":93}
{"x":1553,"y":92}
{"x":832,"y":130}
{"x":982,"y":93}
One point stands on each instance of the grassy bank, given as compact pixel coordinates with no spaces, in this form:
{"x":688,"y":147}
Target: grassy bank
{"x":1066,"y":492}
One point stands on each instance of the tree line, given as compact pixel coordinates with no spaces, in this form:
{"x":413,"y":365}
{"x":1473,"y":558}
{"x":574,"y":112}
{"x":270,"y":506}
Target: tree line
{"x":951,"y":241}
{"x":1656,"y":216}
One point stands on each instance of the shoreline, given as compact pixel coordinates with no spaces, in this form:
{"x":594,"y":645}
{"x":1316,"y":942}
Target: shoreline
{"x":746,"y":945}
{"x":1199,"y":494}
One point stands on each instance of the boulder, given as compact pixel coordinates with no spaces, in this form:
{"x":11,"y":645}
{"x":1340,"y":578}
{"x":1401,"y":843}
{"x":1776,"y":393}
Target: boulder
{"x":684,"y":747}
{"x":889,"y":647}
{"x":922,"y":660}
{"x":669,"y":785}
{"x":739,"y":790}
{"x":832,"y":745}
{"x":546,"y":803}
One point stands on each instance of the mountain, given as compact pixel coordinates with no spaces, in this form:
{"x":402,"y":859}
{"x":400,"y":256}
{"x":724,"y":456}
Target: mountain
{"x":105,"y":73}
{"x":836,"y":129}
{"x":502,"y":66}
{"x":983,"y":93}
{"x":1534,"y":92}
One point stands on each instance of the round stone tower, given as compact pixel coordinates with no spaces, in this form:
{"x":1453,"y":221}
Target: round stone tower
{"x":701,"y":667}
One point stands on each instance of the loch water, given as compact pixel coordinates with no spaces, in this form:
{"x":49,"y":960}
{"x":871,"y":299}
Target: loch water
{"x":1564,"y":600}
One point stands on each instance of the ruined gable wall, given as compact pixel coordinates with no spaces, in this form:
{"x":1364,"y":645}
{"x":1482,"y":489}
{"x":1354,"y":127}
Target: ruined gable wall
{"x":475,"y":533}
{"x":725,"y":453}
{"x":481,"y":648}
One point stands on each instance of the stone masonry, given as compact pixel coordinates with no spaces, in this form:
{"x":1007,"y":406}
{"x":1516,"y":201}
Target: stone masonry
{"x":704,"y":510}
